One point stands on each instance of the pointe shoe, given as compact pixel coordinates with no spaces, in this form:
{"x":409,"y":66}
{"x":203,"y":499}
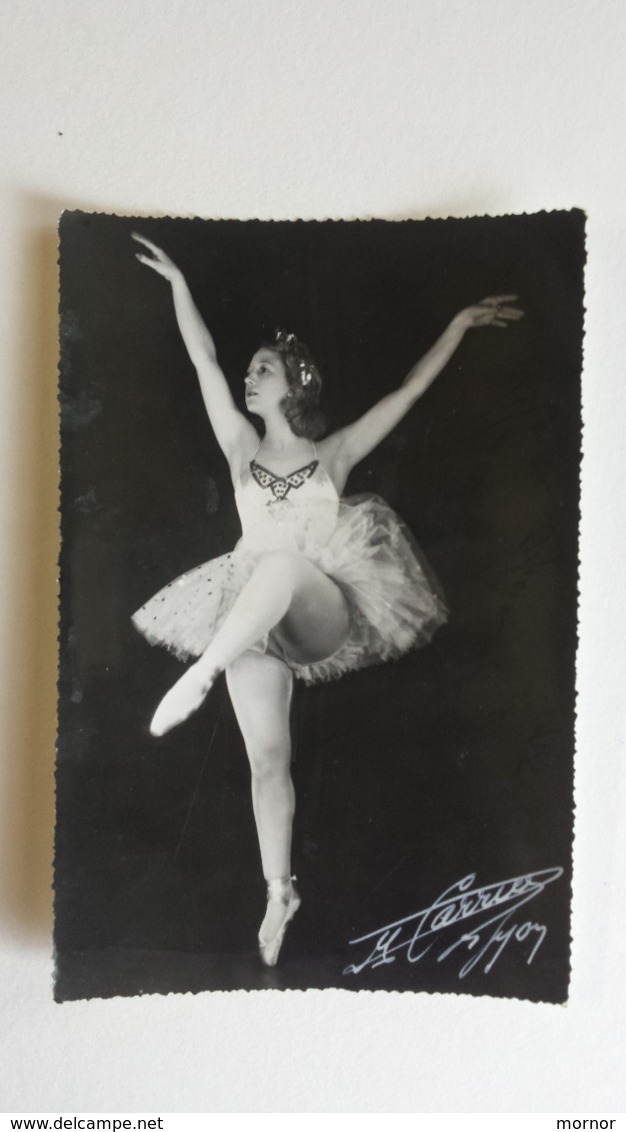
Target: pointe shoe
{"x":282,"y":892}
{"x":185,"y":697}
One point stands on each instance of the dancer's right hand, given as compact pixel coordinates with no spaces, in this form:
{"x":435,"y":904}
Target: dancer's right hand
{"x":158,"y":261}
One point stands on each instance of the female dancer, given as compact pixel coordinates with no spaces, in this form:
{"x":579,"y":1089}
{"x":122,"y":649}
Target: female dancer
{"x":316,"y":586}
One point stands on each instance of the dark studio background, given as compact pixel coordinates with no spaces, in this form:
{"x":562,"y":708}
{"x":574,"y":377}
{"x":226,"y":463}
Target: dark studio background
{"x":456,"y":759}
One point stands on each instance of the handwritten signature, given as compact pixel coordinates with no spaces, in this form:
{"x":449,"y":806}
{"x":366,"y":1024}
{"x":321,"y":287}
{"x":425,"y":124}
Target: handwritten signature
{"x":485,"y":940}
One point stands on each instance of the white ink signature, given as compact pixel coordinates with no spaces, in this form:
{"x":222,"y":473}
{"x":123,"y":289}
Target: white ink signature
{"x":485,"y":940}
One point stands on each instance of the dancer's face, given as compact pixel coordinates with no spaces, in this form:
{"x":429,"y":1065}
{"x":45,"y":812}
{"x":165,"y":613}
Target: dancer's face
{"x":266,"y":382}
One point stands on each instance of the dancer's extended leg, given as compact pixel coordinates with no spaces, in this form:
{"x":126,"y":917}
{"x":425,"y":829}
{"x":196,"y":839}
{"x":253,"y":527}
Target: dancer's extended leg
{"x":285,"y":590}
{"x":260,"y":689}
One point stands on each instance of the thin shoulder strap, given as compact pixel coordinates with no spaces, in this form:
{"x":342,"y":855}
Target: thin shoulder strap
{"x":245,"y":467}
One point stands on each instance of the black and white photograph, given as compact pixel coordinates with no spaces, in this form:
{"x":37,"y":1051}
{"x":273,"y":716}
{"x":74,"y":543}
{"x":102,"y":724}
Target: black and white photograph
{"x":318,"y":606}
{"x":314,"y":639}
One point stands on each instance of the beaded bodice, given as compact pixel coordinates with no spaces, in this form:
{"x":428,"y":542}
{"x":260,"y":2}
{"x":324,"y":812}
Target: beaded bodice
{"x":280,"y":486}
{"x":295,"y":511}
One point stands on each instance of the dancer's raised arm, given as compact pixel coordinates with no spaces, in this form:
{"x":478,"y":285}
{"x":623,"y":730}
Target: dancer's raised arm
{"x":235,"y":434}
{"x":350,"y":444}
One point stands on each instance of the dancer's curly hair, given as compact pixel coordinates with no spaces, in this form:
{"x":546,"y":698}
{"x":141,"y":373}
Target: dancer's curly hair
{"x":301,"y":406}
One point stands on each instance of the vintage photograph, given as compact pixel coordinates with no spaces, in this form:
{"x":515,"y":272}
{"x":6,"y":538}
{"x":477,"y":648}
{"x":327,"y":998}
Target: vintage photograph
{"x":318,"y":617}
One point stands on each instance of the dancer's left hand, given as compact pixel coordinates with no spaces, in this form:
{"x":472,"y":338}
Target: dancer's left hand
{"x":493,"y":311}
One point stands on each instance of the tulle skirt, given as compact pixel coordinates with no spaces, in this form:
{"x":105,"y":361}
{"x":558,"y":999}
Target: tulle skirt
{"x":394,"y":599}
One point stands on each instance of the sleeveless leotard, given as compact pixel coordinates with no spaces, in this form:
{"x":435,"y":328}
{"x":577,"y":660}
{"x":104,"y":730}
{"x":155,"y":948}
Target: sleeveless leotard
{"x":360,"y":543}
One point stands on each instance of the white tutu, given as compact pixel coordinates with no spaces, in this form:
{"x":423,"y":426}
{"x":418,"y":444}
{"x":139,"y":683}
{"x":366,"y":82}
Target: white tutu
{"x":394,"y":606}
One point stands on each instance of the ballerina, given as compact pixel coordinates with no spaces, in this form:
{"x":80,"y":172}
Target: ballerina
{"x":316,"y":587}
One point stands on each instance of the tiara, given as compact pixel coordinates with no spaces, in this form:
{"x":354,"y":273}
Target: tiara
{"x":282,"y":338}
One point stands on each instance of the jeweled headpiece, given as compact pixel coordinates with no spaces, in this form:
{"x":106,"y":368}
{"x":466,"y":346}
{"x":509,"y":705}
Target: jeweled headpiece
{"x":291,"y":343}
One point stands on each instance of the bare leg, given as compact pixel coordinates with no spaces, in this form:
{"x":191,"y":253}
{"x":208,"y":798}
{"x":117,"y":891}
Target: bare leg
{"x":260,"y":689}
{"x":285,"y":590}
